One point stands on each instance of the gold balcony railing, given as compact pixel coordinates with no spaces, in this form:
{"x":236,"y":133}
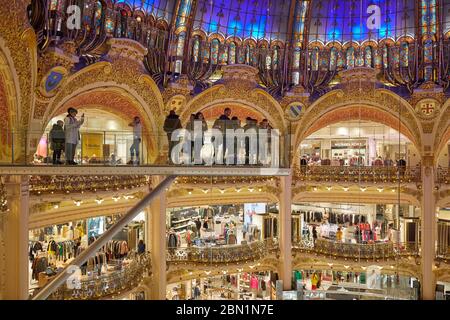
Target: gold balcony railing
{"x":443,"y":175}
{"x":113,"y":283}
{"x":222,"y":254}
{"x":373,"y":251}
{"x":357,"y":174}
{"x":66,"y":184}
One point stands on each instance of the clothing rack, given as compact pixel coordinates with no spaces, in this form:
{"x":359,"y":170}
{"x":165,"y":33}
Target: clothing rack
{"x":116,"y":249}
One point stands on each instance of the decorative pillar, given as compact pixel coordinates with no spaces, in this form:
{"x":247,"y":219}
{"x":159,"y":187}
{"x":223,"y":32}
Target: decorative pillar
{"x":285,"y":231}
{"x":14,"y":241}
{"x":157,"y":234}
{"x":428,"y":246}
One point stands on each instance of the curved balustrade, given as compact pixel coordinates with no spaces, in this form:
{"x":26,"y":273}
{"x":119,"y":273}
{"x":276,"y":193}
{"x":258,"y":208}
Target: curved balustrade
{"x":379,"y":250}
{"x":222,"y":254}
{"x":65,"y":184}
{"x":443,"y":175}
{"x":107,"y":285}
{"x":358,"y":174}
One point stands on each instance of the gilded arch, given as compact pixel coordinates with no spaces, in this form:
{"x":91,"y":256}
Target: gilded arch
{"x":442,"y":133}
{"x":380,"y":105}
{"x":137,"y":89}
{"x":254,"y":98}
{"x":9,"y":103}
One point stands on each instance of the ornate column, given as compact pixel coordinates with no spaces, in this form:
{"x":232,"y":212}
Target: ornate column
{"x":157,"y":234}
{"x":285,"y":231}
{"x":14,"y":241}
{"x":428,"y":246}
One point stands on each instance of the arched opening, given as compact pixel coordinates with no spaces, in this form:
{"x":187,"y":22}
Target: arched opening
{"x":382,"y":128}
{"x":9,"y":111}
{"x":105,"y":136}
{"x":357,"y":143}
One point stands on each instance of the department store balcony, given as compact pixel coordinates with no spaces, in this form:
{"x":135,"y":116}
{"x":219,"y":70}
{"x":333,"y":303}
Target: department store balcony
{"x":377,"y":251}
{"x":56,"y":185}
{"x":106,"y":286}
{"x":108,"y":153}
{"x":357,"y":175}
{"x":241,"y":253}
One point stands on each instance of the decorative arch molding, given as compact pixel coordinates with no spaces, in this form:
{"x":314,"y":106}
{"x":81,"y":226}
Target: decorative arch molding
{"x":9,"y":102}
{"x":232,"y":93}
{"x":378,"y":105}
{"x":137,"y":88}
{"x":18,"y":43}
{"x":442,"y":132}
{"x":116,"y":101}
{"x":104,"y":75}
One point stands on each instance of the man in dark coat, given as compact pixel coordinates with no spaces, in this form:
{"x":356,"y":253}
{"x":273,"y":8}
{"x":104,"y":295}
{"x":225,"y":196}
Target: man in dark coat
{"x":171,"y":124}
{"x":57,"y":140}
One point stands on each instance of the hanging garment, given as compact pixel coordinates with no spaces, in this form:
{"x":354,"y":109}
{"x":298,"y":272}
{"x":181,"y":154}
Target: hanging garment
{"x":254,"y":282}
{"x":232,"y":238}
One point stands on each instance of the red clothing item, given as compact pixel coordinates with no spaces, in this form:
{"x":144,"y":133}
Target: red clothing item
{"x":254,"y":282}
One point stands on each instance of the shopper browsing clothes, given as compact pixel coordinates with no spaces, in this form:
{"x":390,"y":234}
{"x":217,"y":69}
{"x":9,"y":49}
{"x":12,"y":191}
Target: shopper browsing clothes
{"x":137,"y":138}
{"x":72,"y":134}
{"x":57,"y":140}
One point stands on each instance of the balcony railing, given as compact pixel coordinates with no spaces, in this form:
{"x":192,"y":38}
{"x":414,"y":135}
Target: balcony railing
{"x":222,"y":254}
{"x":358,"y":174}
{"x":97,"y":287}
{"x":443,"y":175}
{"x":116,"y":148}
{"x":75,"y":184}
{"x":372,"y":251}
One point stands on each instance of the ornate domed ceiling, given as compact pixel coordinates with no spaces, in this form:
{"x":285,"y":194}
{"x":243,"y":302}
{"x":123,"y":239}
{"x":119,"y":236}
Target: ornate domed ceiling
{"x":290,"y":42}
